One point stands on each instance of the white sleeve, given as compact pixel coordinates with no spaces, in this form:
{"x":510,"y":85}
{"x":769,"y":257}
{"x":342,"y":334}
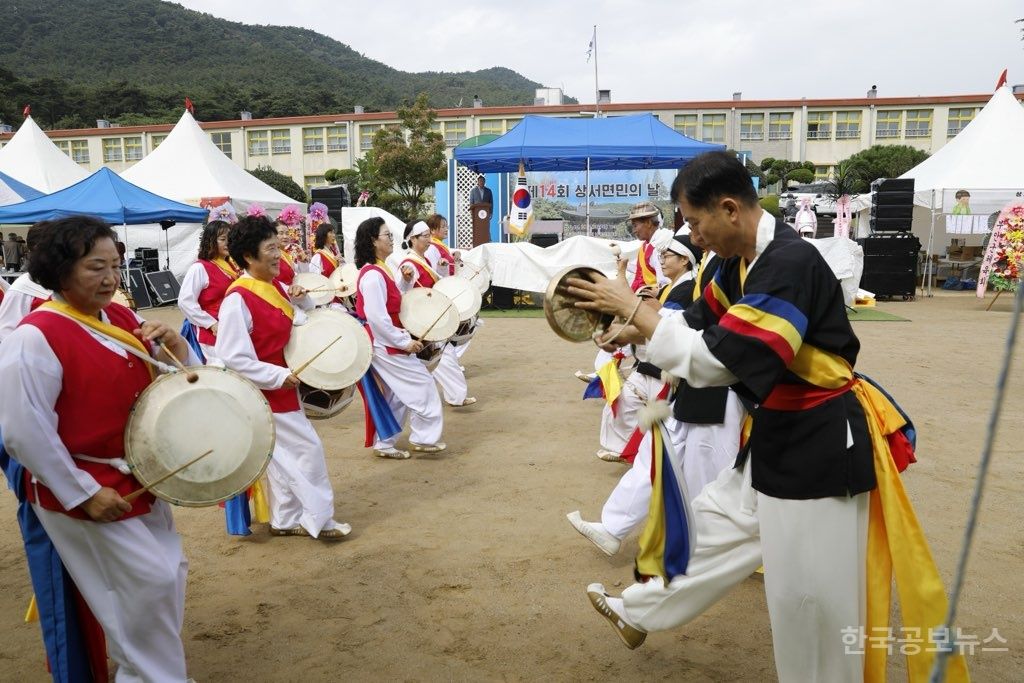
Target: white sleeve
{"x":373,"y":292}
{"x":15,"y":306}
{"x":301,"y":267}
{"x":235,"y":349}
{"x":32,"y":379}
{"x":433,"y":256}
{"x":193,"y":359}
{"x":680,"y":350}
{"x":403,"y":284}
{"x":195,"y":281}
{"x":4,"y":285}
{"x":316,"y":264}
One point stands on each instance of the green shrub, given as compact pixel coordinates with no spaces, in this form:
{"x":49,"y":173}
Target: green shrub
{"x":770,"y":203}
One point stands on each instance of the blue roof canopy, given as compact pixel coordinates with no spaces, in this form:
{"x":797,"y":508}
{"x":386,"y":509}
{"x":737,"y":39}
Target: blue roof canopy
{"x":19,"y":188}
{"x":106,"y":196}
{"x":545,"y":143}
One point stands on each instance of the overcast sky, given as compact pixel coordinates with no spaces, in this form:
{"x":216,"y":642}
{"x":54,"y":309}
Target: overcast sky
{"x":668,"y":50}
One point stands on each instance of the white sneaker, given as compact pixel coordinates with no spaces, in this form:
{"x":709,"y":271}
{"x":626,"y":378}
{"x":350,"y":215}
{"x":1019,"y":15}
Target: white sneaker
{"x":469,"y":400}
{"x":428,"y":448}
{"x":595,"y":533}
{"x":392,"y":453}
{"x":584,"y":377}
{"x":608,"y":456}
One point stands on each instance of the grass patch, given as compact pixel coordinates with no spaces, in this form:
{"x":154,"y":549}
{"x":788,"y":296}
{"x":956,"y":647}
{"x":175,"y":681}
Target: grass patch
{"x":512,"y":313}
{"x":870,"y":314}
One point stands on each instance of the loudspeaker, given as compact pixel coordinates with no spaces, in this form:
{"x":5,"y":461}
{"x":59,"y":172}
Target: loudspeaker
{"x":890,"y":264}
{"x":502,"y":297}
{"x":892,"y":204}
{"x":139,"y":288}
{"x":145,"y":253}
{"x":164,"y":285}
{"x":334,"y":197}
{"x":544,"y":239}
{"x":146,"y":265}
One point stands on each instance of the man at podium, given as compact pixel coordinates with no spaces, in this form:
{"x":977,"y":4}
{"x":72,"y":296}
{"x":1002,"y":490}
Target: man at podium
{"x":480,"y":194}
{"x":481,"y":203}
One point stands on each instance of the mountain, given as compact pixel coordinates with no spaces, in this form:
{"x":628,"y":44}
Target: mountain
{"x":134,"y":61}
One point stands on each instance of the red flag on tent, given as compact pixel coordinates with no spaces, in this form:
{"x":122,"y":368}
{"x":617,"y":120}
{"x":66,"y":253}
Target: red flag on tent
{"x":189,"y":107}
{"x":27,"y":110}
{"x":1002,"y":80}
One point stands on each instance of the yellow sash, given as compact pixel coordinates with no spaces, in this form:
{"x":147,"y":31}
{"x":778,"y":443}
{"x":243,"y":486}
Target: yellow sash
{"x":329,"y":256}
{"x":287,"y":259}
{"x":266,"y":291}
{"x":387,"y":270}
{"x":698,"y":289}
{"x":649,"y":276}
{"x":123,"y":336}
{"x":415,"y":258}
{"x":666,"y":290}
{"x":226,"y":267}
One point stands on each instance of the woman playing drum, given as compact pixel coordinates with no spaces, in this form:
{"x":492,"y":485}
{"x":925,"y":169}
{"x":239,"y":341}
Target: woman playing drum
{"x":68,"y":391}
{"x":326,"y":258}
{"x":415,"y":268}
{"x":256,"y":321}
{"x":206,"y":282}
{"x":440,"y":257}
{"x":409,"y":387}
{"x":293,"y":258}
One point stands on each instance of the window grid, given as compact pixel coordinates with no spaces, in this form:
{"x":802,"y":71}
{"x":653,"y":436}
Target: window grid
{"x":819,"y":125}
{"x":713,"y":128}
{"x":888,"y":124}
{"x":312,"y":140}
{"x":337,"y":138}
{"x":223,"y":142}
{"x":751,"y":126}
{"x":847,"y":125}
{"x":822,"y":172}
{"x":958,"y":120}
{"x":366,"y":133}
{"x":492,"y":127}
{"x":80,"y":151}
{"x":259,"y":143}
{"x":112,"y":150}
{"x":454,"y":133}
{"x":64,"y":146}
{"x":280,"y":141}
{"x":780,"y":126}
{"x":311,"y":181}
{"x":919,"y":123}
{"x":686,"y":124}
{"x":132,"y":148}
{"x":155,"y":140}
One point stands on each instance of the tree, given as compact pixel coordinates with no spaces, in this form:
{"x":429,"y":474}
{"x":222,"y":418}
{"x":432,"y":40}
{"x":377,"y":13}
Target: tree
{"x":281,"y":183}
{"x":883,"y":161}
{"x":844,"y":180}
{"x":783,"y":170}
{"x":410,"y":158}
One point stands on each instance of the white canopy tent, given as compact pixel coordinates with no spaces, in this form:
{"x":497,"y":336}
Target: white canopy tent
{"x":984,"y":156}
{"x":32,"y":158}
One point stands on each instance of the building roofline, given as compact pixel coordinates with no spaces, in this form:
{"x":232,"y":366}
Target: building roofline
{"x":488,"y":112}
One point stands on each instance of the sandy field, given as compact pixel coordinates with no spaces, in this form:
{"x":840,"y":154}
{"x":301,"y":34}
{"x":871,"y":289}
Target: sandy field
{"x":463,"y":566}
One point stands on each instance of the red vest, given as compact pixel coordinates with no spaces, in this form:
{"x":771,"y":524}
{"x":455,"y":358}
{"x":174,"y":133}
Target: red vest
{"x":328,"y":266}
{"x":271,"y":330}
{"x":423,"y":278}
{"x":287,"y":274}
{"x":36,"y":303}
{"x":212,"y":296}
{"x":98,"y":389}
{"x":644,"y":260}
{"x":393,"y":303}
{"x":446,"y":256}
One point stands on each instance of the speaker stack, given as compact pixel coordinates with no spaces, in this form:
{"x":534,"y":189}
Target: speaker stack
{"x":334,"y":197}
{"x":892,"y":204}
{"x":891,"y":250}
{"x":146,"y":259}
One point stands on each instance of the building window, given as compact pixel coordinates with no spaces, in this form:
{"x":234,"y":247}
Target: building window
{"x":311,"y":181}
{"x":511,"y":123}
{"x":80,"y":151}
{"x":888,"y":124}
{"x":259,"y":143}
{"x":281,"y":141}
{"x":819,"y":125}
{"x":780,"y":126}
{"x":223,"y":142}
{"x":312,"y":140}
{"x":822,"y":172}
{"x":337,"y":138}
{"x":713,"y":128}
{"x":751,"y":126}
{"x":132,"y":149}
{"x":64,"y":146}
{"x":847,"y":125}
{"x":366,"y":133}
{"x":958,"y":120}
{"x":686,"y":124}
{"x":492,"y":127}
{"x":155,"y":140}
{"x":454,"y":133}
{"x":112,"y":150}
{"x":919,"y":123}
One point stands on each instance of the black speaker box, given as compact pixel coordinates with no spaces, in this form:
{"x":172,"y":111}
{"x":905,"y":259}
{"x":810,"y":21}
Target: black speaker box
{"x":502,"y":297}
{"x":544,"y":239}
{"x":164,"y":285}
{"x":893,"y":185}
{"x":894,"y":198}
{"x":334,"y":197}
{"x":889,"y":224}
{"x":145,"y":252}
{"x":139,"y":288}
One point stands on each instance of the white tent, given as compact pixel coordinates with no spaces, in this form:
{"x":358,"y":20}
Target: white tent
{"x":984,"y":156}
{"x":188,"y":167}
{"x":32,"y":158}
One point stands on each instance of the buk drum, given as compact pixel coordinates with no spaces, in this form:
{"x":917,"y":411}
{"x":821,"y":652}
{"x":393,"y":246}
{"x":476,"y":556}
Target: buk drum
{"x":467,"y":328}
{"x":478,"y":275}
{"x":463,"y":293}
{"x":121,"y":297}
{"x":329,"y":354}
{"x":320,"y":404}
{"x":428,"y":314}
{"x":319,"y":288}
{"x":343,"y":280}
{"x":174,"y":421}
{"x":431,"y":354}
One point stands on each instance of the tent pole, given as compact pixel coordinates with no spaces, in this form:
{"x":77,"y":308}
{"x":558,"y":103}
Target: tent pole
{"x":928,"y":252}
{"x":587,"y":197}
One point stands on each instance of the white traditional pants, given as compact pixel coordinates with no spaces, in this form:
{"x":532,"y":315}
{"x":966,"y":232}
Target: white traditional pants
{"x":131,"y":573}
{"x":449,"y":375}
{"x":617,"y":428}
{"x":708,"y":449}
{"x":409,"y":388}
{"x":300,"y":491}
{"x":814,"y":554}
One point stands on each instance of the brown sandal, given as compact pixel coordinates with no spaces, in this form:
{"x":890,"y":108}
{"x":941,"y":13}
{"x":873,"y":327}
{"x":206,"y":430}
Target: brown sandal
{"x":294,"y":531}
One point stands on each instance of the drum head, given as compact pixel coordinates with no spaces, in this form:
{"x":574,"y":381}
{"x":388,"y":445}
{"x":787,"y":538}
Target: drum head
{"x":121,"y":298}
{"x":322,"y":291}
{"x":344,"y":279}
{"x":478,"y":275}
{"x":346,"y":359}
{"x":463,"y":292}
{"x":429,"y":315}
{"x":174,"y":421}
{"x":568,"y":322}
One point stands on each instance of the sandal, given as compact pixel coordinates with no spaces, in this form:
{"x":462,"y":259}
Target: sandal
{"x":294,"y":531}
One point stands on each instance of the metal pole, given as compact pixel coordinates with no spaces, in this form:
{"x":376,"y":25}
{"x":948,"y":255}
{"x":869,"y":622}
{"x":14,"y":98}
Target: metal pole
{"x":928,"y":251}
{"x":586,"y":197}
{"x":597,"y":91}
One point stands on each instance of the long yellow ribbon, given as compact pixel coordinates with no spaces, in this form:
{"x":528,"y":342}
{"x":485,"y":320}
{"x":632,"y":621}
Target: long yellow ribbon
{"x":266,"y":291}
{"x":329,"y":256}
{"x":123,"y":336}
{"x":226,"y":267}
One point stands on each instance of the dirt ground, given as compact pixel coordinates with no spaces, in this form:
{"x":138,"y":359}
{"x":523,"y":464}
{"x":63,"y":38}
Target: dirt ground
{"x":463,"y":566}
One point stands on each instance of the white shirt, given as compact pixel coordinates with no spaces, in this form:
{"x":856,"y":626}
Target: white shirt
{"x":17,"y":303}
{"x":374,"y":295}
{"x":32,"y":378}
{"x":192,"y":285}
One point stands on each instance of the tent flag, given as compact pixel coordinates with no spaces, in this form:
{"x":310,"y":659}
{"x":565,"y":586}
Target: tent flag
{"x":1002,"y":80}
{"x":522,"y":215}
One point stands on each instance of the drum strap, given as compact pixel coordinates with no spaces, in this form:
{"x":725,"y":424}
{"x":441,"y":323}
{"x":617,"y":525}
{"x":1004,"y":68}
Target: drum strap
{"x":162,"y":367}
{"x":120,"y":464}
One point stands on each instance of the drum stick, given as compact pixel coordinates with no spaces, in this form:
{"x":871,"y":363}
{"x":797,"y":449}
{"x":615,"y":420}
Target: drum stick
{"x":138,"y":492}
{"x":447,"y":308}
{"x":317,"y":355}
{"x":189,"y":375}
